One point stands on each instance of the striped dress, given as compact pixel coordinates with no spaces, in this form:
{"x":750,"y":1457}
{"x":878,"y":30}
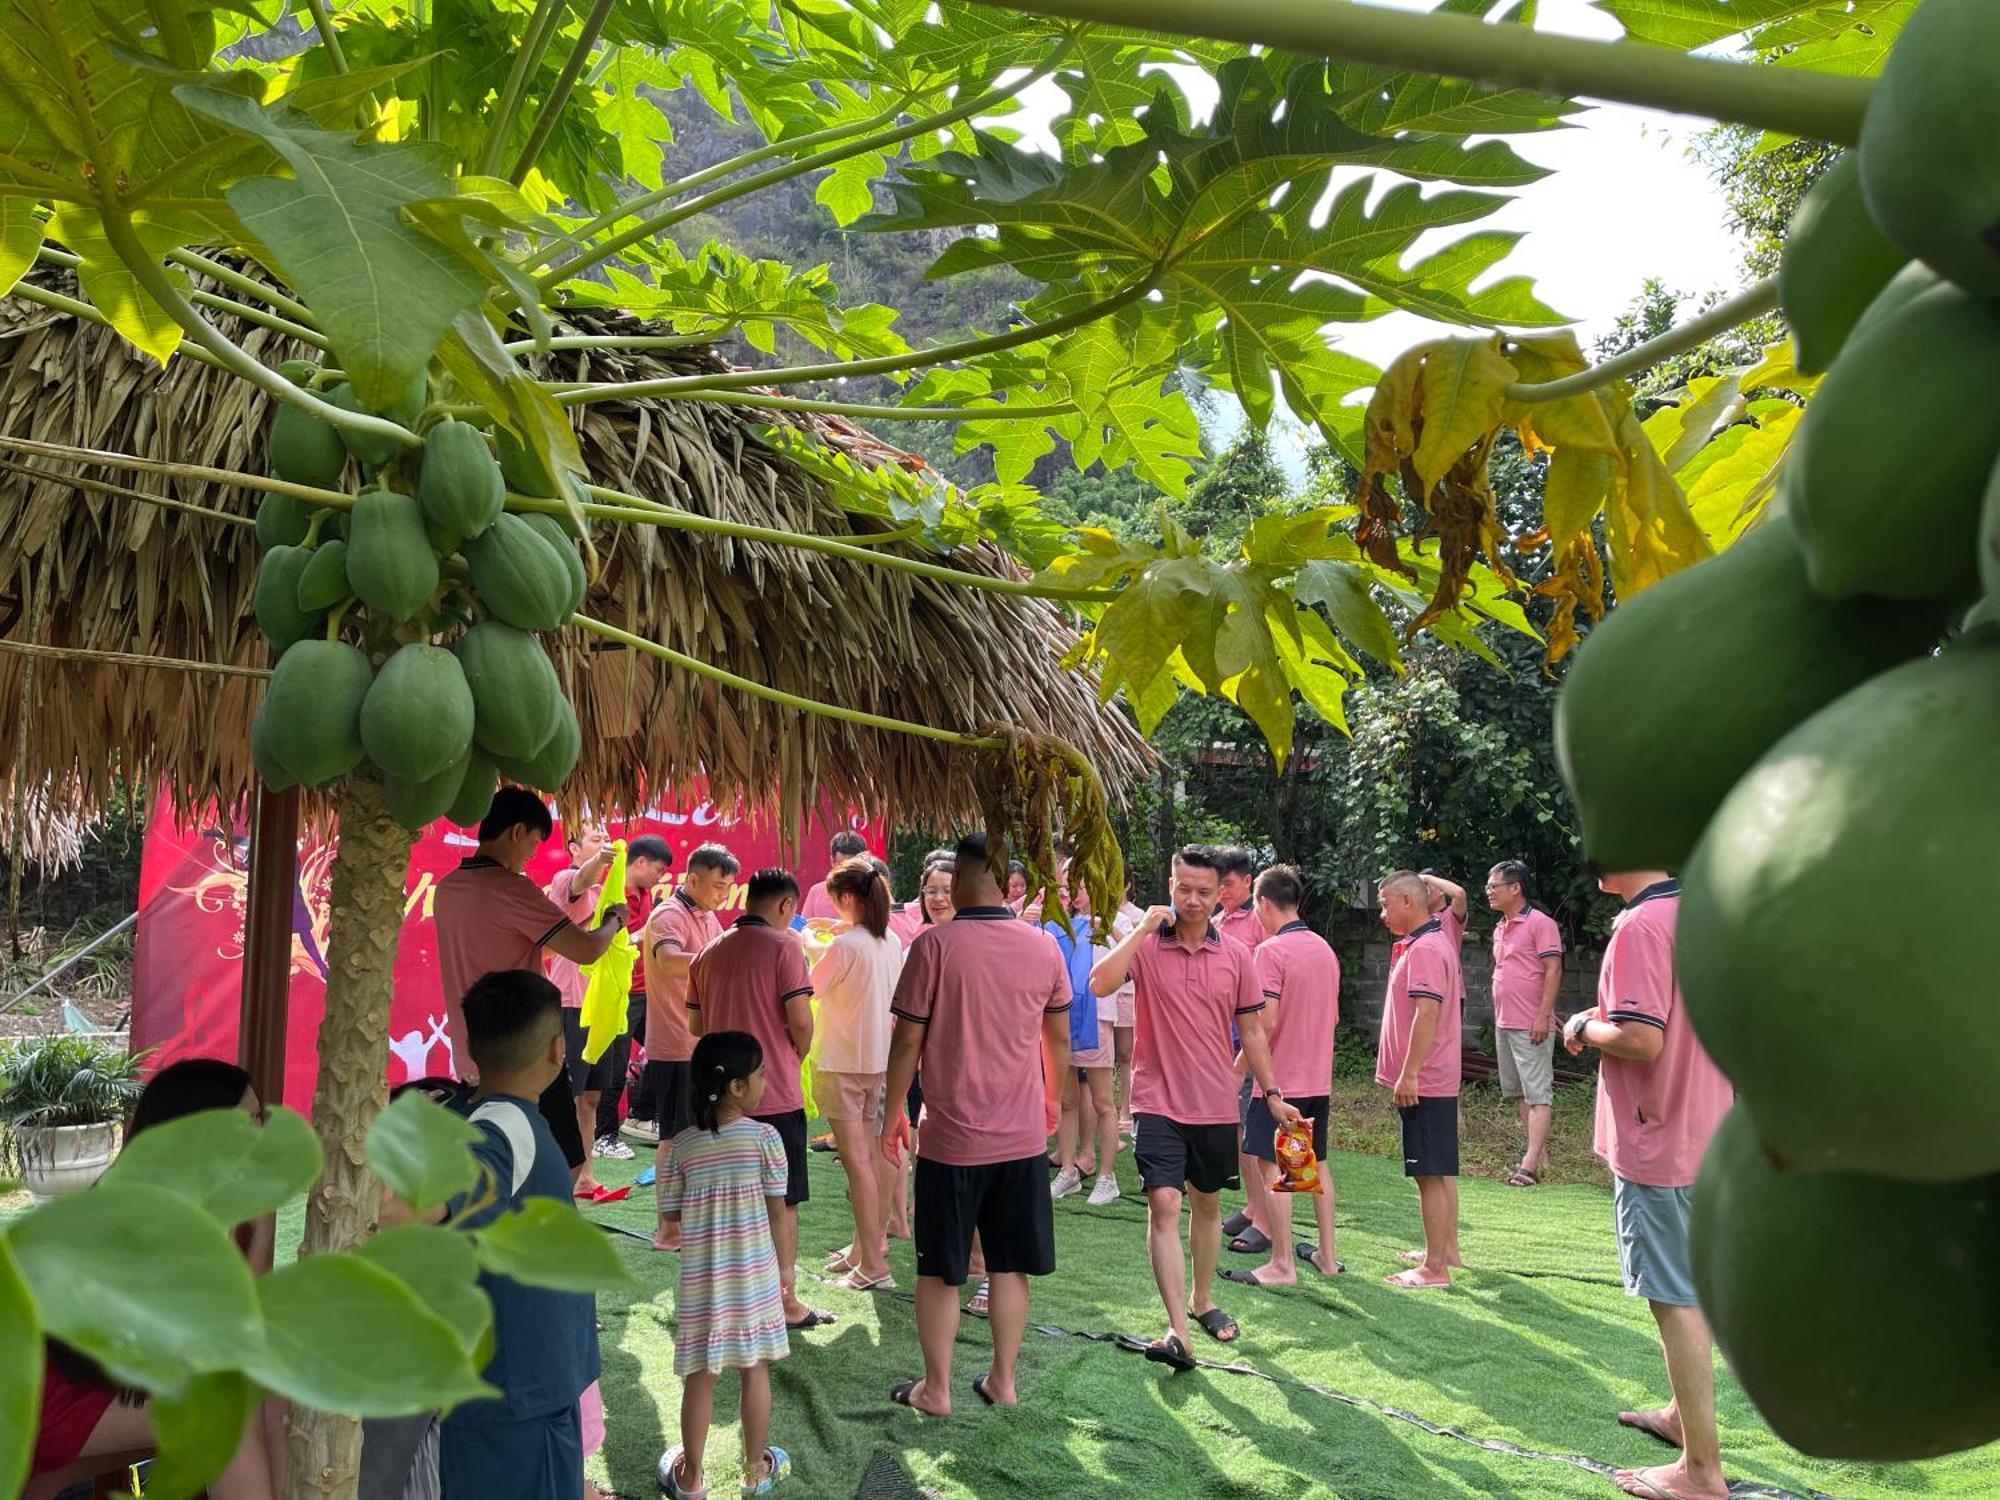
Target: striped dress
{"x":729,"y":1314}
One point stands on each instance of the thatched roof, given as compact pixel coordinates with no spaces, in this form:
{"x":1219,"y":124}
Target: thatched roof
{"x":124,"y":575}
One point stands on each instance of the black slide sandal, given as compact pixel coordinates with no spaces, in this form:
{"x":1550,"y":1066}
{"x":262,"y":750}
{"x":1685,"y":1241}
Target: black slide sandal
{"x":1171,"y":1352}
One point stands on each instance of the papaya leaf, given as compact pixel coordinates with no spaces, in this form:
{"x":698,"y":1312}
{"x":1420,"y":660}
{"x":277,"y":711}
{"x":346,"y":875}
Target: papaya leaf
{"x":1317,"y":667}
{"x":1382,"y":101}
{"x":1679,"y":432}
{"x":224,"y":1162}
{"x":423,"y":1151}
{"x":383,"y":290}
{"x":344,"y":1335}
{"x":1578,"y":483}
{"x":1342,"y":590}
{"x":1726,"y":493}
{"x":20,"y":1374}
{"x":1648,"y":528}
{"x":1462,"y":390}
{"x":550,"y":1244}
{"x":199,"y":1431}
{"x":108,"y":283}
{"x":1688,"y":24}
{"x":442,"y":1268}
{"x":20,"y":239}
{"x":634,"y":121}
{"x":142,"y":1281}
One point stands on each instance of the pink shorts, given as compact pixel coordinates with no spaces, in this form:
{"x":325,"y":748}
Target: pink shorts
{"x":1102,"y":1055}
{"x":848,"y":1096}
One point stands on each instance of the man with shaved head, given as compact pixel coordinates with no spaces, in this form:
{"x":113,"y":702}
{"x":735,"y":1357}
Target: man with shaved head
{"x":1417,"y":1060}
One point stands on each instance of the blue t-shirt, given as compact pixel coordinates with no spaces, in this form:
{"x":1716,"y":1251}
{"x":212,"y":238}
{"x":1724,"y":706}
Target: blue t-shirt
{"x":1078,"y":958}
{"x":544,"y":1342}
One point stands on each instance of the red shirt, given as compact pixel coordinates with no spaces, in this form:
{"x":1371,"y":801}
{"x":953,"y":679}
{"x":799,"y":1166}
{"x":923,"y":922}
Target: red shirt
{"x":638,"y":907}
{"x":1521,"y":945}
{"x":743,"y":981}
{"x":489,"y":918}
{"x":1653,"y":1118}
{"x":1185,"y":1008}
{"x":679,"y":926}
{"x":1298,"y":973}
{"x":980,"y":986}
{"x":1424,"y":970}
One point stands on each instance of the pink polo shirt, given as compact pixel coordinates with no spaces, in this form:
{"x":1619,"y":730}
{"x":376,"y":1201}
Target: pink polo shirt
{"x":1653,"y":1119}
{"x":677,"y":925}
{"x":1185,"y":1008}
{"x":1298,"y":973}
{"x":1521,"y":944}
{"x":980,"y":986}
{"x":1242,"y":925}
{"x":906,"y":921}
{"x":579,"y":907}
{"x":1425,"y":969}
{"x":488,"y":919}
{"x":742,"y":982}
{"x":818,"y":904}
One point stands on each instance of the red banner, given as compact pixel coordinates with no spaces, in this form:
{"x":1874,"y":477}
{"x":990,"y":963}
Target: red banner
{"x":188,"y":967}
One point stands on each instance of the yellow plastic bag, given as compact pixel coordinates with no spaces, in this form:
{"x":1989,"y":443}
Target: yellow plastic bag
{"x":610,"y":976}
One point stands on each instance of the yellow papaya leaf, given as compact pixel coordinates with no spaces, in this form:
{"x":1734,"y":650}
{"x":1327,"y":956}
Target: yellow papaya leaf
{"x":110,"y":286}
{"x":1550,"y":356}
{"x":1730,"y":493}
{"x":1389,"y":438}
{"x":1579,"y":482}
{"x":1580,"y":421}
{"x":20,"y":238}
{"x":1649,"y":529}
{"x":1777,"y":372}
{"x":1708,"y":406}
{"x":1460,"y":395}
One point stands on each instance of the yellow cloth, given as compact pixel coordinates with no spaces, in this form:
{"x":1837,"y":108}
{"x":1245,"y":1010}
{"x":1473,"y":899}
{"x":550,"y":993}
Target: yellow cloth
{"x":610,"y":974}
{"x":816,"y":936}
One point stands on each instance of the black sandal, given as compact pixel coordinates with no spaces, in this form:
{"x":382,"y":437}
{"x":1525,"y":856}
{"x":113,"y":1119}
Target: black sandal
{"x":814,"y":1318}
{"x":1252,"y":1241}
{"x":1171,"y":1352}
{"x":1214,"y":1322}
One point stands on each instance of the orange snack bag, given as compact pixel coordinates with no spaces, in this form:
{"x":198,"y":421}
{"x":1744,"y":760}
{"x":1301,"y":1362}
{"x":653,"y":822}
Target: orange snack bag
{"x":1298,"y":1168}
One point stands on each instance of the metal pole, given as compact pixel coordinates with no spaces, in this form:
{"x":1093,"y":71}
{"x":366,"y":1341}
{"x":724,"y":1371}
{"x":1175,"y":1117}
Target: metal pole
{"x":267,"y":948}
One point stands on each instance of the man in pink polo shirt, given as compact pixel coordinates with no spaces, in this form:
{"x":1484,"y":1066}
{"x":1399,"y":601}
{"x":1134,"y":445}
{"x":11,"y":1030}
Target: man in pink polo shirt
{"x":1659,"y":1099}
{"x":1527,"y":971}
{"x":1299,"y":978}
{"x":1191,"y":984}
{"x":843,"y":846}
{"x":1417,"y":1060}
{"x":1236,"y":913}
{"x":754,"y":978}
{"x":979,"y":1001}
{"x":681,"y":927}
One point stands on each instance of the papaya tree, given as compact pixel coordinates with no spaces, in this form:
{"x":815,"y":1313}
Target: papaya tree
{"x":416,"y":193}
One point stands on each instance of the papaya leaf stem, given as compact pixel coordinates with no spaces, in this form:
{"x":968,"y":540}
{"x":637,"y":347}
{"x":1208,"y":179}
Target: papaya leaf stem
{"x":1755,"y":302}
{"x":558,"y":96}
{"x":323,"y":24}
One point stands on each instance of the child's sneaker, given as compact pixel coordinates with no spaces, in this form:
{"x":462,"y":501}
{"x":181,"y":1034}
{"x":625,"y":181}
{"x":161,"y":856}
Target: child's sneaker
{"x":669,"y":1474}
{"x":645,"y":1132}
{"x":1067,"y":1182}
{"x":1104,"y":1192}
{"x":610,"y":1146}
{"x":781,"y":1465}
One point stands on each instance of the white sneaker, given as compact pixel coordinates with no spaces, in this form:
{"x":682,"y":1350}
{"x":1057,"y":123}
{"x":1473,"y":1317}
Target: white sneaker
{"x":644,"y":1131}
{"x":610,"y":1146}
{"x":1067,"y":1182}
{"x":1104,"y":1192}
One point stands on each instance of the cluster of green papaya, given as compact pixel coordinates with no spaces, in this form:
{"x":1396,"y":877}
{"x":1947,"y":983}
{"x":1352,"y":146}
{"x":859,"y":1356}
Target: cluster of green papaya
{"x":405,"y":626}
{"x":1805,"y":727}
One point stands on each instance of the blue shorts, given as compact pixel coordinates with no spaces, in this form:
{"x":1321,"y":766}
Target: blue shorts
{"x":494,"y":1457}
{"x":1653,"y":1241}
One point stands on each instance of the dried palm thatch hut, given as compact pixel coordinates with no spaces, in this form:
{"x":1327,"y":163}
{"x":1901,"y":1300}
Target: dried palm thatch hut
{"x":103,"y":573}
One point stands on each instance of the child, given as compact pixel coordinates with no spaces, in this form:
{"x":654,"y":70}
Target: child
{"x":723,"y":1186}
{"x":527,"y":1444}
{"x":1087,"y":1090}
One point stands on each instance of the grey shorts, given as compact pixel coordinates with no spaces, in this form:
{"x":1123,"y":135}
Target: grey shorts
{"x":1527,"y":1069}
{"x":1653,"y":1241}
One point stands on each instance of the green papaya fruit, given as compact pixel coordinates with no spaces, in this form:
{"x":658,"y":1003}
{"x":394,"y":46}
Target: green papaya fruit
{"x":1835,"y":264}
{"x":366,"y":446}
{"x":475,"y":791}
{"x":418,"y":717}
{"x":1827,"y":1290}
{"x":1739,"y":645}
{"x":276,"y":599}
{"x":298,"y":371}
{"x":1826,"y":955}
{"x":274,"y":773}
{"x":311,"y":714}
{"x":282,"y":520}
{"x":323,"y":581}
{"x":461,"y":490}
{"x":550,"y":530}
{"x":418,"y":804}
{"x":1927,"y":161}
{"x":390,"y":565}
{"x":518,"y":576}
{"x":522,"y":467}
{"x":304,"y":449}
{"x":1889,"y":464}
{"x":549,"y":767}
{"x":515,"y":694}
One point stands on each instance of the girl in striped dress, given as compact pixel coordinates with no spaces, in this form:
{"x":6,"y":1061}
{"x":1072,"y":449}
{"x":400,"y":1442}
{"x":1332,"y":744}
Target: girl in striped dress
{"x":723,"y":1185}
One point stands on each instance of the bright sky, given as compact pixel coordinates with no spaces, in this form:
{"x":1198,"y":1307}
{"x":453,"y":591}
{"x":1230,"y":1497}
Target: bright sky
{"x":1624,"y":203}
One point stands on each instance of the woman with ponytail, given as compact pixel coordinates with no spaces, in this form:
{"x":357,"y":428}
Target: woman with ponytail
{"x":854,"y":981}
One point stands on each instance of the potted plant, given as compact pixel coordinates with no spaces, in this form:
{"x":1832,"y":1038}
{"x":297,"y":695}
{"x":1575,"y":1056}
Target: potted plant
{"x":65,"y":1097}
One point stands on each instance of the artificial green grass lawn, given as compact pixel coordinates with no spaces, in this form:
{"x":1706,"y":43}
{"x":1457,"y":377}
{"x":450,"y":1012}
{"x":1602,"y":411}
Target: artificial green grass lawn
{"x":1537,"y":1346}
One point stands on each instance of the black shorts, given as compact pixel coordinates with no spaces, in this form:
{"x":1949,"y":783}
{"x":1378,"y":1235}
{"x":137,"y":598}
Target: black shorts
{"x":1177,"y":1156}
{"x":1430,"y":1138}
{"x":1006,"y":1203}
{"x":558,"y":1107}
{"x":666,"y":1084}
{"x":586,"y":1077}
{"x":791,"y":1128}
{"x":1260,"y":1131}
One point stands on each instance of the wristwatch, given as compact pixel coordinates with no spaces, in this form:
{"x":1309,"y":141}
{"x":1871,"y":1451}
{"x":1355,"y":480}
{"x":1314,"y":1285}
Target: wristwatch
{"x":1270,"y":1094}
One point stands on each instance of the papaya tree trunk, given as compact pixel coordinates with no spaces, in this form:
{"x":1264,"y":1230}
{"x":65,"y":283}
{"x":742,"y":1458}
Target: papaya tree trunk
{"x":323,"y":1451}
